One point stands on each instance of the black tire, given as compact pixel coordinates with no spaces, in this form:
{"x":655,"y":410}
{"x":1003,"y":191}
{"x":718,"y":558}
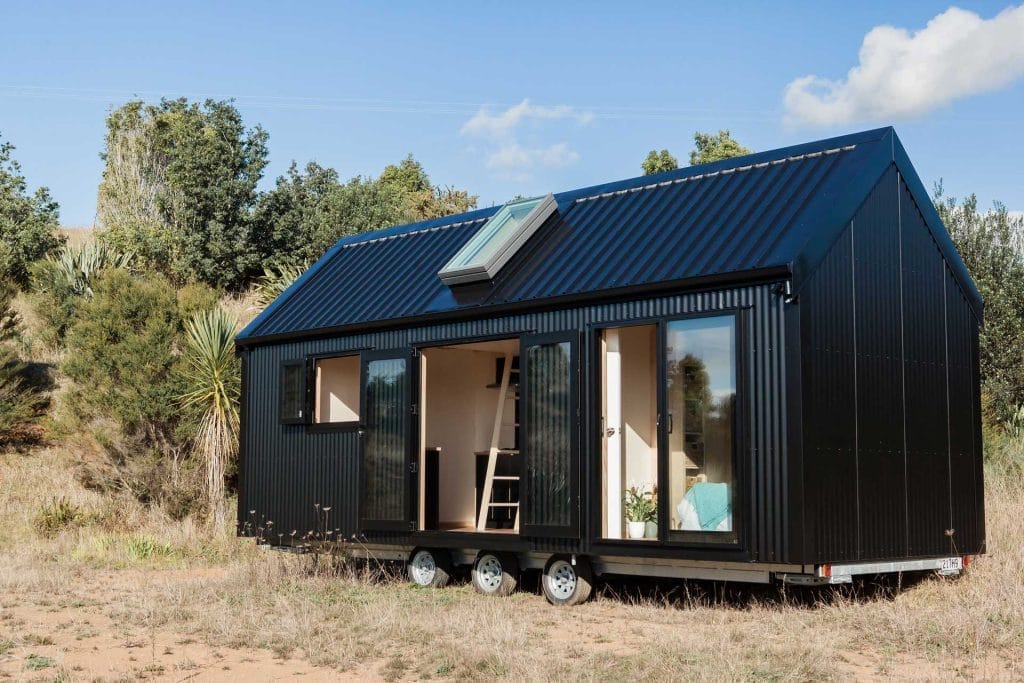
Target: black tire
{"x":567,"y":583}
{"x":429,"y":567}
{"x":495,"y":573}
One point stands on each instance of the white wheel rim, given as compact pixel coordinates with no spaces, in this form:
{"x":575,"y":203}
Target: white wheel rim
{"x":488,"y":573}
{"x":423,"y":568}
{"x":561,"y":580}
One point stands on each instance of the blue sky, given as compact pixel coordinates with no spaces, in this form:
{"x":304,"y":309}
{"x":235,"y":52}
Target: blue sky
{"x":523,"y":98}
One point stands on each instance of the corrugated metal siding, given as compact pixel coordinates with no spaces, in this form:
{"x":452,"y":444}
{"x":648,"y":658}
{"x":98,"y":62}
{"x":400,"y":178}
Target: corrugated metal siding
{"x":965,"y":462}
{"x":287,"y":471}
{"x":830,"y":407}
{"x":887,"y":460}
{"x":730,"y":217}
{"x":924,"y":363}
{"x":880,"y":391}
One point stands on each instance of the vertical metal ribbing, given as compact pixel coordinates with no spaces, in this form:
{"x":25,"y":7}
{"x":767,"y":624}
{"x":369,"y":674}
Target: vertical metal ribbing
{"x":903,"y":371}
{"x":856,"y":422}
{"x":949,"y":436}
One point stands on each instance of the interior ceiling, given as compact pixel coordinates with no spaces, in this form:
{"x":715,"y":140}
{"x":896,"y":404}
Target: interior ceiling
{"x":496,"y":346}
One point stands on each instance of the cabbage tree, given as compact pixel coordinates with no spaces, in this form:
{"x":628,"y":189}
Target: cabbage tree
{"x":213,"y":380}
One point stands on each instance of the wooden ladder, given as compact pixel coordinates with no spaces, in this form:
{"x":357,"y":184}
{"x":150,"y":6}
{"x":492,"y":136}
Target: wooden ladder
{"x":492,"y":460}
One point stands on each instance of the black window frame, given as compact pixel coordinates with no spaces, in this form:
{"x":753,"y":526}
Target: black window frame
{"x":328,"y":427}
{"x":716,"y":544}
{"x":304,"y":415}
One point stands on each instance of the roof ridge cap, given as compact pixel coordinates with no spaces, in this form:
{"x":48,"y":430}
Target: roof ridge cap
{"x":410,"y":233}
{"x":713,"y":174}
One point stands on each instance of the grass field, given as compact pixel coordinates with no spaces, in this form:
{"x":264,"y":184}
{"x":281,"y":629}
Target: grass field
{"x":106,"y":590}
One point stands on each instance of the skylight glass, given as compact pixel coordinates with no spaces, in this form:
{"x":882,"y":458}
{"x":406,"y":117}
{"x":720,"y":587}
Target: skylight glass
{"x":499,"y":238}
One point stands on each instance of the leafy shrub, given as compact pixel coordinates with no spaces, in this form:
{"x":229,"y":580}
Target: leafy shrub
{"x":36,"y":662}
{"x":195,"y":298}
{"x":62,"y":281}
{"x":121,"y":353}
{"x":56,"y":515}
{"x":18,"y":403}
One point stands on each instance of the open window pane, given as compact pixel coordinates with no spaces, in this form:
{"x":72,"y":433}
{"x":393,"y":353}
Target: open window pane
{"x":700,"y":385}
{"x":293,"y":392}
{"x":337,"y":390}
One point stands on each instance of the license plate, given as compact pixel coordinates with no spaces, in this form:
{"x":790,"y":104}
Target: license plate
{"x":952,"y":564}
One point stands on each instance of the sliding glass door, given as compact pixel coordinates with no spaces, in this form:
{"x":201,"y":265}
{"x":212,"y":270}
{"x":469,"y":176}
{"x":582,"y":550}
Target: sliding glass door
{"x":700,"y":395}
{"x":386,"y":495}
{"x":550,"y":429}
{"x":668,"y":425}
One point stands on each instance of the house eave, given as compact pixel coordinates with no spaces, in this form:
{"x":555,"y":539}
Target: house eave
{"x":717,"y":281}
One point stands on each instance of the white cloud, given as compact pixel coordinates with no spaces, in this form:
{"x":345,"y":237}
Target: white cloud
{"x":514,"y":155}
{"x":500,"y":131}
{"x":503,"y":124}
{"x":903,"y":74}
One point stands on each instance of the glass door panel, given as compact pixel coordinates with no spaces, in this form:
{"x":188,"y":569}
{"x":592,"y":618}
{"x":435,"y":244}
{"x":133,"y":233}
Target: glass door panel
{"x":550,"y":491}
{"x":386,"y":495}
{"x":700,"y":392}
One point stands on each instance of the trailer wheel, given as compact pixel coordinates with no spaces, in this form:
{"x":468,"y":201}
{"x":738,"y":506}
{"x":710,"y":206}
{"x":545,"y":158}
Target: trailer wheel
{"x":429,"y":568}
{"x":495,"y":573}
{"x":565,"y":583}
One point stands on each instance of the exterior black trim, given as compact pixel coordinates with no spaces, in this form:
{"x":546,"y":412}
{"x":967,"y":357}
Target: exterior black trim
{"x":718,"y":281}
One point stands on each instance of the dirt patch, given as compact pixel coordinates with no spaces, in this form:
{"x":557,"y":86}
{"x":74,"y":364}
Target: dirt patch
{"x":72,"y":634}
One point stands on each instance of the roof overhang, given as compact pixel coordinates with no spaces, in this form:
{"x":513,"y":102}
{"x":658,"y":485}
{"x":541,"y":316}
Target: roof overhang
{"x":767,"y":275}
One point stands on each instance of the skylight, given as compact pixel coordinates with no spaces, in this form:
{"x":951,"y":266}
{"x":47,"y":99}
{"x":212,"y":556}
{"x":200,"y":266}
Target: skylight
{"x":496,"y":242}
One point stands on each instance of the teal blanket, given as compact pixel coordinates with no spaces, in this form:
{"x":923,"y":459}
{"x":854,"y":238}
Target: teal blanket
{"x":711,"y":501}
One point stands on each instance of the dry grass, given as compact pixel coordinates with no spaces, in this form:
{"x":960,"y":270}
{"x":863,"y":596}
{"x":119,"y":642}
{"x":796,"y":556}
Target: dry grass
{"x":150,"y":575}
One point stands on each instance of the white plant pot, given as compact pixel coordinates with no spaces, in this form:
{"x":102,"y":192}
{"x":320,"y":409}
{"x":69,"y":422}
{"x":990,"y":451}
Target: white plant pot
{"x":635,"y":529}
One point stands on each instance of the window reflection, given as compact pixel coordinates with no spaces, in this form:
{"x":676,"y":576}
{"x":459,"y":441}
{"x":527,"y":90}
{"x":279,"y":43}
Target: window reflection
{"x":701,"y":393}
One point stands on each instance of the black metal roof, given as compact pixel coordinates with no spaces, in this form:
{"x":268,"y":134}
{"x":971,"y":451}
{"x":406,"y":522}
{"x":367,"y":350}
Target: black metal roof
{"x":774,"y":214}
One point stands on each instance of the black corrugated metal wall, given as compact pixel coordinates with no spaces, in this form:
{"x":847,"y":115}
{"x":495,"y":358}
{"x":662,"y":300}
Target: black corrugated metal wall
{"x":889,"y":383}
{"x":287,"y":471}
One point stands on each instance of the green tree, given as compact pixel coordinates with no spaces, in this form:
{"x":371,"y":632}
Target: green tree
{"x":659,"y":162}
{"x":28,"y":222}
{"x":179,"y":186}
{"x":991,"y":244}
{"x":309,"y":210}
{"x":710,"y":147}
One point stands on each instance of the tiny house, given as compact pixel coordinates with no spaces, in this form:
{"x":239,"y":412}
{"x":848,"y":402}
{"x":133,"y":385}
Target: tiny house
{"x":761,"y":369}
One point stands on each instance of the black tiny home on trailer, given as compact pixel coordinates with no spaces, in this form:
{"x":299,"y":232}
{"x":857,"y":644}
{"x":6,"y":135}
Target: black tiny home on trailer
{"x":760,"y":369}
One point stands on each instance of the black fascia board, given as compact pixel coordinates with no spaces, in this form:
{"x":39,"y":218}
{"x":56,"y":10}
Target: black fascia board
{"x":762,"y":275}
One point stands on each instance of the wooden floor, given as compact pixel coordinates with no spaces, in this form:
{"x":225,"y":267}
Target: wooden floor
{"x":472,"y":529}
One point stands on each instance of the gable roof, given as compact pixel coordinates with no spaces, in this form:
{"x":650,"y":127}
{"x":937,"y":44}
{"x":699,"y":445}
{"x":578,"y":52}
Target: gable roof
{"x":771,"y":215}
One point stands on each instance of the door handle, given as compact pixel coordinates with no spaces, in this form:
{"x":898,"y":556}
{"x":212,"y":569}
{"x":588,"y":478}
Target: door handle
{"x":611,"y":431}
{"x":670,"y":424}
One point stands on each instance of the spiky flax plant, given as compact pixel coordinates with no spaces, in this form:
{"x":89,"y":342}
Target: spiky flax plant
{"x":212,"y":373}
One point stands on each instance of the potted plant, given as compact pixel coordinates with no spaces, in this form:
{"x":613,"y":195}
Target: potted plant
{"x":651,"y":520}
{"x":639,"y":508}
